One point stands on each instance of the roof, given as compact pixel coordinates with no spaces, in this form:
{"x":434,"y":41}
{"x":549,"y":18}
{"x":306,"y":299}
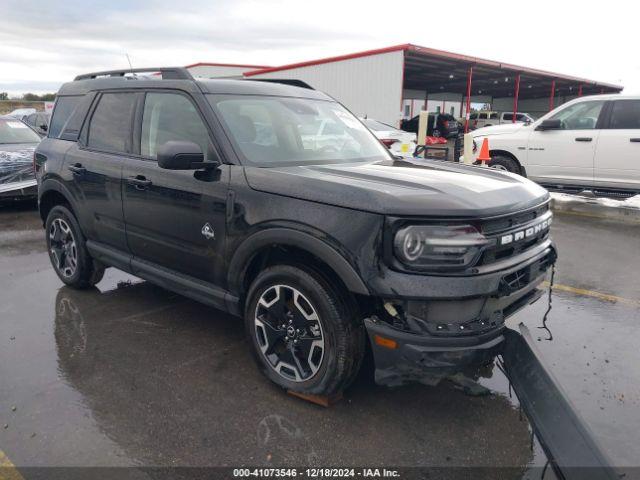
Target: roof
{"x":435,"y":71}
{"x":257,"y":87}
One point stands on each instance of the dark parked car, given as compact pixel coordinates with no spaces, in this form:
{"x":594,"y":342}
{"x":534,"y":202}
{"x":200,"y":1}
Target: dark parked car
{"x":17,"y":144}
{"x":39,"y":121}
{"x":324,"y":247}
{"x":440,"y":125}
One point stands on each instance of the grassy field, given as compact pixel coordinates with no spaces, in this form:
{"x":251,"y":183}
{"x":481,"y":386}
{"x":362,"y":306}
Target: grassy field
{"x":7,"y":106}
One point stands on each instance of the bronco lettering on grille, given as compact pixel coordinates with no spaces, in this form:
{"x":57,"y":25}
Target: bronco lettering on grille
{"x":526,"y":233}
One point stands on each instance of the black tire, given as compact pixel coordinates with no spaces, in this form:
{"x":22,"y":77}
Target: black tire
{"x":342,"y":331}
{"x":501,"y":162}
{"x":82,"y":273}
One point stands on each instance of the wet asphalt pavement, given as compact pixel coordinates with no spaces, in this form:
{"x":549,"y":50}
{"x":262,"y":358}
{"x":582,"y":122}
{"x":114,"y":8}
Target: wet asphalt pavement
{"x":128,"y":374}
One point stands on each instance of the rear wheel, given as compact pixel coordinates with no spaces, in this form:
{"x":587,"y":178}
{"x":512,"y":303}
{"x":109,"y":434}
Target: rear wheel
{"x":304,"y":333}
{"x":68,"y":252}
{"x":501,"y":162}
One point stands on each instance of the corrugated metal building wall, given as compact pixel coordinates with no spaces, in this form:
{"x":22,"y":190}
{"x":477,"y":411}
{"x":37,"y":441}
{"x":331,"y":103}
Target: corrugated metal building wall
{"x":369,"y":85}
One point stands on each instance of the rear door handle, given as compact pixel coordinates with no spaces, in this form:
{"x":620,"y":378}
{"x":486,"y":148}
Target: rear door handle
{"x":139,"y":181}
{"x":634,"y":140}
{"x":77,"y":169}
{"x":583,"y":139}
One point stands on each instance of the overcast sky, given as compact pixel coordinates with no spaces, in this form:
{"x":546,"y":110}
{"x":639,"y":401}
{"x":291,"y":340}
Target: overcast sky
{"x":43,"y":44}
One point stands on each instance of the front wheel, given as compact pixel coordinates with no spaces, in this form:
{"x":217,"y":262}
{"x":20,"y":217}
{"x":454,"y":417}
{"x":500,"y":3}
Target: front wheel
{"x":304,"y":334}
{"x":68,"y":252}
{"x":505,"y":164}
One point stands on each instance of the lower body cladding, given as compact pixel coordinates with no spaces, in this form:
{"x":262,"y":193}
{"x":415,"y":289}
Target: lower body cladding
{"x":427,"y":340}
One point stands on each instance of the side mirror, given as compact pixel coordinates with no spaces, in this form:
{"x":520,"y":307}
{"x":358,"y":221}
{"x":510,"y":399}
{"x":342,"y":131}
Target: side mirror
{"x":44,"y":127}
{"x":550,"y":124}
{"x":179,"y":155}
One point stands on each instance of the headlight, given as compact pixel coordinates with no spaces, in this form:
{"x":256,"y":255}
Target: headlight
{"x":438,"y":247}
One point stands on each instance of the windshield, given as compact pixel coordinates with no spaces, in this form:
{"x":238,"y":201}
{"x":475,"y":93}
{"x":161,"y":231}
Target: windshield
{"x":276,"y":131}
{"x":14,"y":131}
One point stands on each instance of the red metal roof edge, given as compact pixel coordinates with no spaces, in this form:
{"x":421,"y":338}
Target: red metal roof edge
{"x":239,"y":65}
{"x":434,"y":52}
{"x":339,"y":58}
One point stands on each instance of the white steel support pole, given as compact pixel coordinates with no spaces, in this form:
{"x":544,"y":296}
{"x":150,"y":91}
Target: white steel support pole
{"x":467,"y":150}
{"x":422,"y":127}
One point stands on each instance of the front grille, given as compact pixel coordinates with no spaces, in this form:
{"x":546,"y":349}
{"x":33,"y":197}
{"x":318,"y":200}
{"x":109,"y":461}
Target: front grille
{"x":502,"y":224}
{"x":495,"y":228}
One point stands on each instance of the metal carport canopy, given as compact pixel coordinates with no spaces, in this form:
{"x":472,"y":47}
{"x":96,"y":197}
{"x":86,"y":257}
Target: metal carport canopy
{"x":435,"y":71}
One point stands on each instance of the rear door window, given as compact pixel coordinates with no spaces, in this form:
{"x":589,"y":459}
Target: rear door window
{"x":110,"y":127}
{"x":62,"y":111}
{"x":625,"y":114}
{"x":482,"y":116}
{"x":507,"y":117}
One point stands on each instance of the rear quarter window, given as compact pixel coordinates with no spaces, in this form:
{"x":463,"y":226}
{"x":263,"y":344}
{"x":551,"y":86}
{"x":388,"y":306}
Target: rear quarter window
{"x":62,"y":111}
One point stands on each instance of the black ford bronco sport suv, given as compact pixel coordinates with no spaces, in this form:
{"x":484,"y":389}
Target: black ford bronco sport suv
{"x":224,"y":191}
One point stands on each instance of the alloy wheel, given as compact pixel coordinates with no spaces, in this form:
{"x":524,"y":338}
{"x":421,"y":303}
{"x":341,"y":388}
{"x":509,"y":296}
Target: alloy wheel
{"x":289,"y":333}
{"x":63,"y":248}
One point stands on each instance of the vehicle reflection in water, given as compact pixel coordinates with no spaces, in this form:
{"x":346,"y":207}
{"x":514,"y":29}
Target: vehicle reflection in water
{"x":172,"y":382}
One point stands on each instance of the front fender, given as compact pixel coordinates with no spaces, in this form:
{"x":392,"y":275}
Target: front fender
{"x":52,"y":183}
{"x":294,"y":238}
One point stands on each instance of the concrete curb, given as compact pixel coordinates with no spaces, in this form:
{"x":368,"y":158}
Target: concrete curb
{"x":595,"y":207}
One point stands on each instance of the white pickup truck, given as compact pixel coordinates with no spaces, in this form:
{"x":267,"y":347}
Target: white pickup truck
{"x":485,"y":118}
{"x":589,"y":142}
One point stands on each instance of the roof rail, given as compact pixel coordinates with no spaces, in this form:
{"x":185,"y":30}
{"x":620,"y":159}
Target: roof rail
{"x":168,"y":73}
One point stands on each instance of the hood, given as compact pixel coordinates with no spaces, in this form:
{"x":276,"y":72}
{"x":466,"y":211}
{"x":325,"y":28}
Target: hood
{"x":399,"y":134}
{"x":17,"y":151}
{"x":429,"y":188}
{"x":499,"y":129}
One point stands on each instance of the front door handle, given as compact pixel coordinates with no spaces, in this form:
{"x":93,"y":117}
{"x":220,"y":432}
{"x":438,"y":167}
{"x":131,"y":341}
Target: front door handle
{"x":634,"y":140}
{"x":77,"y":169}
{"x":139,"y":181}
{"x":583,"y":139}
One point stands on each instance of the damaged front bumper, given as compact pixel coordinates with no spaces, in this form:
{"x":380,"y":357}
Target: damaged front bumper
{"x":425,"y":340}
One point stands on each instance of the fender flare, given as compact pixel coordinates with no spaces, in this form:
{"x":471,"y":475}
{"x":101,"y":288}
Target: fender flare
{"x":52,"y":184}
{"x":294,"y":238}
